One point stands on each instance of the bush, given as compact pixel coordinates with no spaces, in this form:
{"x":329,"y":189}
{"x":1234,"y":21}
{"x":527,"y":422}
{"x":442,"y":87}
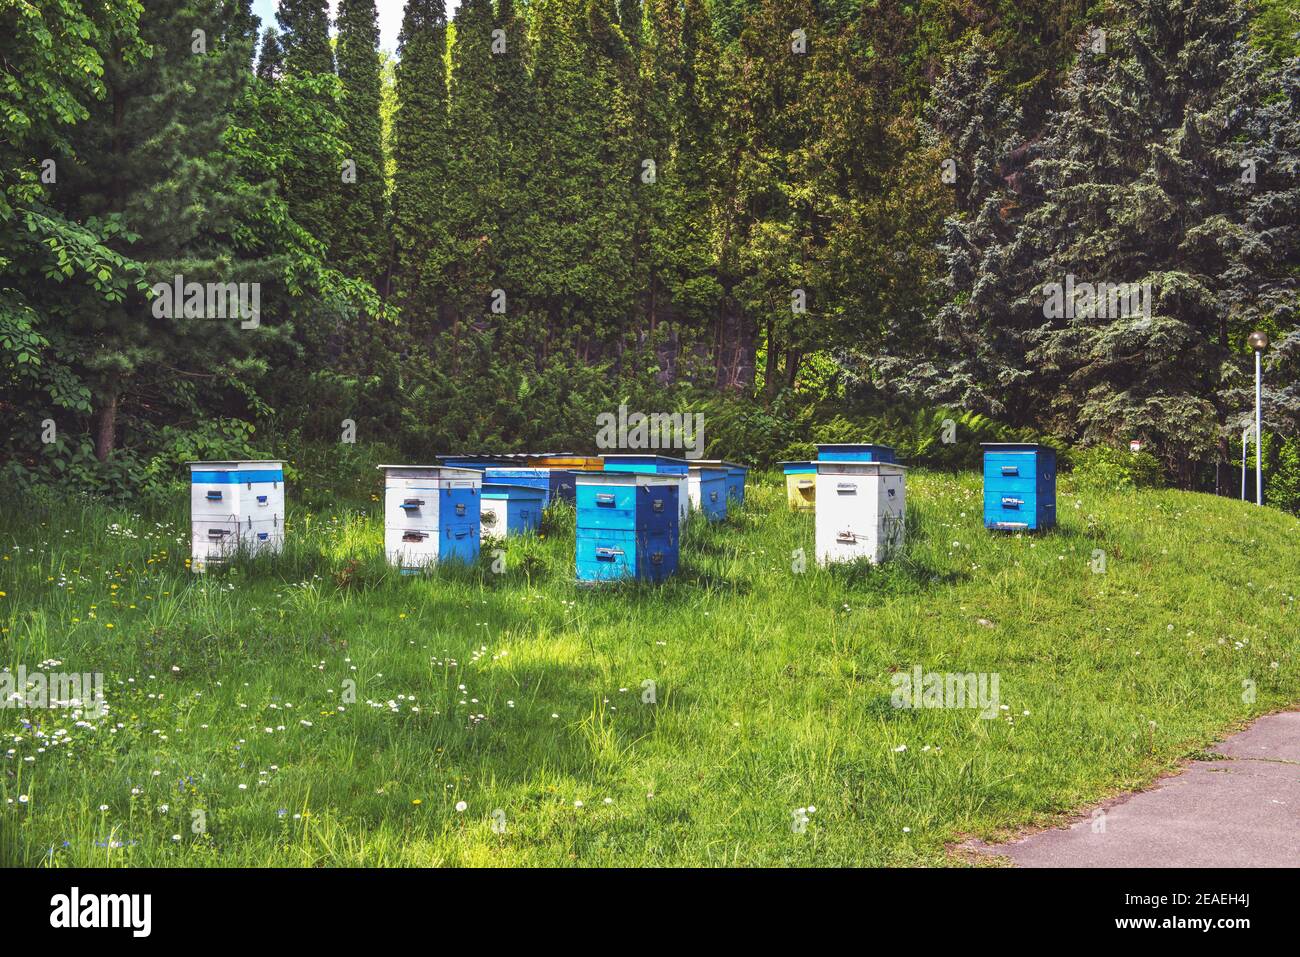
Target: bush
{"x":1110,"y":468}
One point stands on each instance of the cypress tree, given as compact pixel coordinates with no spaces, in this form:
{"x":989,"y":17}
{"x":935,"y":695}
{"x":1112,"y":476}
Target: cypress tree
{"x":420,"y":153}
{"x":305,"y":36}
{"x":360,"y":246}
{"x":473,"y":204}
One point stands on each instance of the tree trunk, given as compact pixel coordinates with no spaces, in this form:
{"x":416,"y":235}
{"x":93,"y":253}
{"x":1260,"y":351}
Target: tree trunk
{"x":106,"y":423}
{"x":770,"y":367}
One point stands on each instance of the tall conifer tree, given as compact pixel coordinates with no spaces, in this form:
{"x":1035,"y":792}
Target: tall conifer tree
{"x":361,"y":243}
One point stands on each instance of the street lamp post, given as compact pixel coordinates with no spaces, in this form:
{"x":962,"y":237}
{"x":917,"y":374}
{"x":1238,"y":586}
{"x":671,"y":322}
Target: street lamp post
{"x":1259,"y":342}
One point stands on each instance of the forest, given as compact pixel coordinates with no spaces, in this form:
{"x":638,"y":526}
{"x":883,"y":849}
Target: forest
{"x":850,"y":220}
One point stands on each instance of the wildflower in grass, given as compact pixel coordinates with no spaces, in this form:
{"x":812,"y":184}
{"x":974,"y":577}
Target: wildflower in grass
{"x":577,"y":804}
{"x":461,"y":806}
{"x":417,"y":802}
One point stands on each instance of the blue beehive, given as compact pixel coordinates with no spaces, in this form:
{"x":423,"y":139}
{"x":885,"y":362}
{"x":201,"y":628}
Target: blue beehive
{"x":510,"y":510}
{"x":736,"y":482}
{"x":852,"y":452}
{"x":657,"y":465}
{"x":1019,"y":486}
{"x":627,"y":526}
{"x":708,"y":490}
{"x":556,"y":484}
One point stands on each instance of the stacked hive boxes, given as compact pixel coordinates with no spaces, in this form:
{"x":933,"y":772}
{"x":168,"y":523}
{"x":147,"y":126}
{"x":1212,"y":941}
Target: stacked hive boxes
{"x":1019,"y":486}
{"x":860,"y":509}
{"x":511,"y":509}
{"x":627,"y":526}
{"x":235,"y":507}
{"x":431,"y":514}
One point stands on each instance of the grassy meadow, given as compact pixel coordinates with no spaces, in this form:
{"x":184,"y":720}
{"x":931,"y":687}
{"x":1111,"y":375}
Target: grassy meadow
{"x":499,"y":716}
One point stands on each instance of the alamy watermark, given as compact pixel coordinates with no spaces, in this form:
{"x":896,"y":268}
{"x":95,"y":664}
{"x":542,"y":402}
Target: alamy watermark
{"x":208,"y":300}
{"x":918,"y":689}
{"x":1103,"y":300}
{"x":52,"y":690}
{"x":658,"y":430}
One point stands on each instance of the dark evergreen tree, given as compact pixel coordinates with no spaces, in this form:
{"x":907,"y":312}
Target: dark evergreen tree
{"x":305,"y":36}
{"x":361,"y":245}
{"x":420,"y":152}
{"x":153,"y":154}
{"x":270,"y":61}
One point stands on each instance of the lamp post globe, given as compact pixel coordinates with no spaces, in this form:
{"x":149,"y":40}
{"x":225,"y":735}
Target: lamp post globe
{"x":1258,"y":341}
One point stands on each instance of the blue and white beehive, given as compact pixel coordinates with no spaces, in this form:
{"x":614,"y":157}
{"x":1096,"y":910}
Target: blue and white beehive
{"x":1019,"y":486}
{"x":677,"y":469}
{"x":708,"y":490}
{"x":235,"y":507}
{"x":735,"y":477}
{"x":509,"y":510}
{"x":860,"y":510}
{"x":627,"y":526}
{"x":855,"y":452}
{"x":431,"y":514}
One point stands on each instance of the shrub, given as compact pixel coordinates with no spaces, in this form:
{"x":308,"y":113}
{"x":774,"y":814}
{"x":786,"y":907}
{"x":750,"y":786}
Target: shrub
{"x":1107,"y":467}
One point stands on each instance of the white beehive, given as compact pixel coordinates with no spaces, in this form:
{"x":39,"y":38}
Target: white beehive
{"x":860,"y":509}
{"x":431,"y":514}
{"x":236,"y":507}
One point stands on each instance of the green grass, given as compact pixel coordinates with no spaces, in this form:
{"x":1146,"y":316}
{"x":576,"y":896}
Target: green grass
{"x":773,"y":688}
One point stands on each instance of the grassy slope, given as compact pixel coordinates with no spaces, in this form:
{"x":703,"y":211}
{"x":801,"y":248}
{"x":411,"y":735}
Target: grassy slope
{"x":773,"y":687}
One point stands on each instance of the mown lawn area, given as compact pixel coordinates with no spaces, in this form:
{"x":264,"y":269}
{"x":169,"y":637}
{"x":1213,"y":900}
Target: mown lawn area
{"x":500,"y":718}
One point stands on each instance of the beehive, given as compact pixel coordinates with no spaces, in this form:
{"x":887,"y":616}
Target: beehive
{"x":800,"y":485}
{"x":236,"y":507}
{"x":509,"y":510}
{"x":677,"y":469}
{"x":855,"y":452}
{"x":431,"y":514}
{"x":860,"y":510}
{"x":555,"y":484}
{"x":736,"y":475}
{"x":708,"y":490}
{"x":517,"y":469}
{"x":1019,"y":486}
{"x":577,"y":463}
{"x":627,"y":526}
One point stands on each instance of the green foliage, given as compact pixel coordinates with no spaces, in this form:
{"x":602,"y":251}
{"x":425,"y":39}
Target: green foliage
{"x":304,"y":35}
{"x":1106,"y":467}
